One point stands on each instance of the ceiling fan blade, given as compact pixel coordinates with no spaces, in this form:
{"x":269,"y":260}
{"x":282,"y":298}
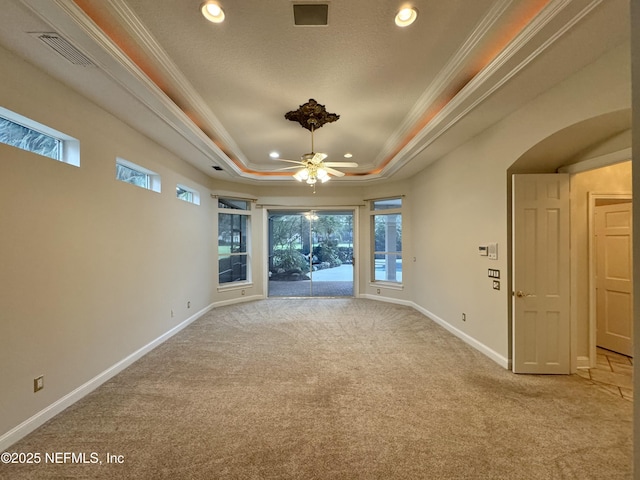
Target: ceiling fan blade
{"x":334,"y":172}
{"x":318,"y":157}
{"x":288,"y":168}
{"x":340,"y":164}
{"x":290,"y":161}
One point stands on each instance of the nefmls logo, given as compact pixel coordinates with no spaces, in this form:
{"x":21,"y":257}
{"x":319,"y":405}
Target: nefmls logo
{"x":72,"y":457}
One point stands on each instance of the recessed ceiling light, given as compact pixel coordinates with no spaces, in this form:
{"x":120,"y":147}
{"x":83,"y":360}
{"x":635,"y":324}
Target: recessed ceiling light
{"x":212,"y":11}
{"x":274,"y":155}
{"x":348,"y":155}
{"x":406,"y":16}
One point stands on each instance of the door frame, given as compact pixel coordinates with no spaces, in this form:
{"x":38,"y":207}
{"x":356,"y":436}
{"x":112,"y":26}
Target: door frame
{"x":353,"y":209}
{"x":593,"y":198}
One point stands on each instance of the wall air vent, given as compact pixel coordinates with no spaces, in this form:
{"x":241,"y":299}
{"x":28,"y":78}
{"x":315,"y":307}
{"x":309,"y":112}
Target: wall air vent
{"x":310,"y":15}
{"x":63,"y":48}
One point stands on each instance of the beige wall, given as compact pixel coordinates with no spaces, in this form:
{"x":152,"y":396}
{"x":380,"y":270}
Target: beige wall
{"x":90,"y":267}
{"x":614,"y":179}
{"x":461,"y":202}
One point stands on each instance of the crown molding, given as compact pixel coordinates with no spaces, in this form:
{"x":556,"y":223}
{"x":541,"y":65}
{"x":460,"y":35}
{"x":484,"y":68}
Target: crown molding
{"x":444,"y":78}
{"x":69,"y":20}
{"x":144,"y":38}
{"x":491,"y":78}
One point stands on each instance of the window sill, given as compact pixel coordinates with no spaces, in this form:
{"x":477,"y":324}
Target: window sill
{"x":227,"y":287}
{"x":387,"y":285}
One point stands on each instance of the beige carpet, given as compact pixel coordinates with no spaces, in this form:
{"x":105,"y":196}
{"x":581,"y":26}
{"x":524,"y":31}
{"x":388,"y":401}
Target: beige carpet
{"x":333,"y":389}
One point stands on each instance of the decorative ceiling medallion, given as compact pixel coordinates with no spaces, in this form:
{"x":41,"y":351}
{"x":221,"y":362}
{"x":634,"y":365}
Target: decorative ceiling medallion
{"x":311,"y":115}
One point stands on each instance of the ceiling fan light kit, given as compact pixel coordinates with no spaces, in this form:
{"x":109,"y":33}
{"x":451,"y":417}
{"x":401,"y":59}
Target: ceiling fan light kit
{"x":312,"y":167}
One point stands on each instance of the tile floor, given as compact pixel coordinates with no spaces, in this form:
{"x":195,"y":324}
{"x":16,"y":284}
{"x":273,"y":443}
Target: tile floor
{"x":613,"y":373}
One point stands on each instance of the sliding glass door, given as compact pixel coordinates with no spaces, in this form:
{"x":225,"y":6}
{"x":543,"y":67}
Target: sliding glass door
{"x":310,"y":253}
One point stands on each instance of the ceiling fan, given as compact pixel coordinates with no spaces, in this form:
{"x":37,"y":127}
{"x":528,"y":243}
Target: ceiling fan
{"x":312,"y":167}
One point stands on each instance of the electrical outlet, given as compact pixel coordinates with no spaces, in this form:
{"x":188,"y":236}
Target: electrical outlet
{"x":188,"y":304}
{"x":464,"y":317}
{"x":378,"y":291}
{"x":242,"y":292}
{"x":38,"y":383}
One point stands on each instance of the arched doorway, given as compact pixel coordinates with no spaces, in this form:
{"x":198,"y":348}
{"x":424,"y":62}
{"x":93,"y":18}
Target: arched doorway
{"x":593,"y":143}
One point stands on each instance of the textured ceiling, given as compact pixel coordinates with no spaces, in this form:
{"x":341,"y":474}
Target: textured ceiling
{"x":216,"y":94}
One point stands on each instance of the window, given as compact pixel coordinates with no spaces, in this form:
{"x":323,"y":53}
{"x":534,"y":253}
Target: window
{"x":20,"y":132}
{"x":234,"y":218}
{"x":129,"y":172}
{"x":386,"y":231}
{"x":187,"y":194}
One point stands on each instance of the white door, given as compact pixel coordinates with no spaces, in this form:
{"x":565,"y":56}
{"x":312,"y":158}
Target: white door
{"x":614,"y":278}
{"x":541,"y":275}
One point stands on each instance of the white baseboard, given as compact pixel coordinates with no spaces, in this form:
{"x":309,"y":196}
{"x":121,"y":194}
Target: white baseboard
{"x":233,"y":301}
{"x":380,"y":298}
{"x":481,"y":347}
{"x":12,"y":436}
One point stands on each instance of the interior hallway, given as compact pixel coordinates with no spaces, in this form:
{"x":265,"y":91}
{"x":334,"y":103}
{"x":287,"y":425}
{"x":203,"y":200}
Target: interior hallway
{"x":613,"y":374}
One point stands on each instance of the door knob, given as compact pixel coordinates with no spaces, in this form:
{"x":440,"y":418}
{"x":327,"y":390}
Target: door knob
{"x":521,"y":294}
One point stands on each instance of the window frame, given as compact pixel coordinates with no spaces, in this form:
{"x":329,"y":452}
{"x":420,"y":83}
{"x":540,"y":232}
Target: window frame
{"x":247,"y":213}
{"x":195,"y":195}
{"x":380,"y":212}
{"x":154,"y":182}
{"x":69,"y":150}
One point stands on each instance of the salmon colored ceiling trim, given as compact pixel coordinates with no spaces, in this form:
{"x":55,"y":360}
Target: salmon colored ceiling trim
{"x":535,"y":7}
{"x":122,"y":40}
{"x":530,"y":9}
{"x":118,"y":36}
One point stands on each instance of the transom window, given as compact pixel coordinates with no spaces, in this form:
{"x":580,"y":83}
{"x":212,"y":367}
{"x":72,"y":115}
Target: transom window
{"x":25,"y":134}
{"x":129,"y":172}
{"x":187,"y":194}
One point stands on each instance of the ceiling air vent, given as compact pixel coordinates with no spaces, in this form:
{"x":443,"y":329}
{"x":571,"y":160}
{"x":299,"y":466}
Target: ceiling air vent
{"x":310,"y":15}
{"x":217,"y":168}
{"x":63,"y":47}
